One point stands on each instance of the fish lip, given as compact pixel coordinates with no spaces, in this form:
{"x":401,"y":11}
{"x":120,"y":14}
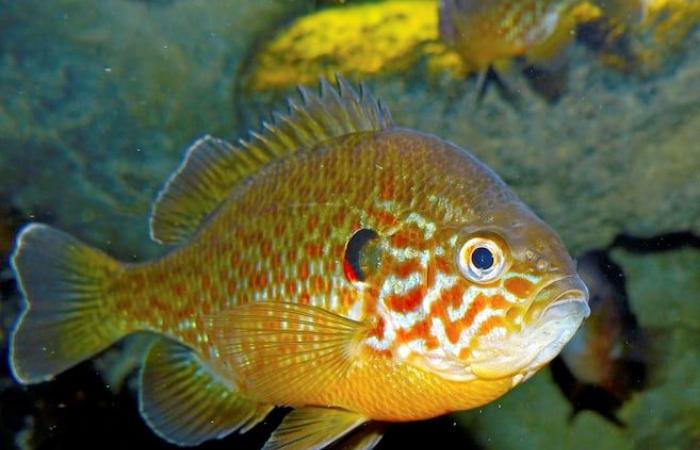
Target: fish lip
{"x":567,"y":298}
{"x":563,"y":289}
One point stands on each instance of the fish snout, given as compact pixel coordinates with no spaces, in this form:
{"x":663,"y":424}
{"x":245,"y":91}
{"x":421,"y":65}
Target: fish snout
{"x":561,"y":295}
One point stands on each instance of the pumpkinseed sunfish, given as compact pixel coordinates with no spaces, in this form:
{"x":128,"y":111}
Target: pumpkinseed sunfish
{"x":335,"y":263}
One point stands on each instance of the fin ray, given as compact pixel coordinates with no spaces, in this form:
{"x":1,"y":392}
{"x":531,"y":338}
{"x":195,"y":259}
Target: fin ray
{"x":65,"y":318}
{"x":312,"y":427}
{"x":302,"y":350}
{"x":185,"y":403}
{"x":213,"y":167}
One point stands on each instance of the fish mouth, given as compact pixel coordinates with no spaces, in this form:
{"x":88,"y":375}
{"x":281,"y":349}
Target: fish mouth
{"x":562,"y":290}
{"x":540,"y":341}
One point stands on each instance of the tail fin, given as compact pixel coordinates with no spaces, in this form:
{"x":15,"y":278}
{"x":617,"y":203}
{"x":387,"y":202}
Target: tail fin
{"x":64,"y":320}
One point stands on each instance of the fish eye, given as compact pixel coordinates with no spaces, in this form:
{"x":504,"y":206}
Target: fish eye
{"x":481,"y":260}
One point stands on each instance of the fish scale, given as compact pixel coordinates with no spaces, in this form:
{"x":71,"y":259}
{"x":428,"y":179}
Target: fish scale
{"x":323,"y":264}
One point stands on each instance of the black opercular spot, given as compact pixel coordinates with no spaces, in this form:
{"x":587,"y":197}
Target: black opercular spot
{"x":360,"y":255}
{"x":482,"y":258}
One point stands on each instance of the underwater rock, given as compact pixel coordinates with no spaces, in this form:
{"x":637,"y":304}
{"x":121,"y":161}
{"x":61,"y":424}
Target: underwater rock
{"x":98,"y":104}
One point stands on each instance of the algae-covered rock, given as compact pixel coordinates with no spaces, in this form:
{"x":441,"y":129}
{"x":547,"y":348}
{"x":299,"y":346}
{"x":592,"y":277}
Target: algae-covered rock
{"x":98,"y":101}
{"x":663,"y":290}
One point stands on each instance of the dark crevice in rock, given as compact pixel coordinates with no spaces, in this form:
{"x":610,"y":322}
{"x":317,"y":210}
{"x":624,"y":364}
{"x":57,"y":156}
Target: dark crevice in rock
{"x":659,"y":243}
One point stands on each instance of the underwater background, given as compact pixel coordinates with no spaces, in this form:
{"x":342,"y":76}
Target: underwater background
{"x":99,"y":100}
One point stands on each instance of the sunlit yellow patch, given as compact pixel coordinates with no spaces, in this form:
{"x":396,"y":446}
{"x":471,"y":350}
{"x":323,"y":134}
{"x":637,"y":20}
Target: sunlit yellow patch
{"x":384,"y":38}
{"x":356,"y":40}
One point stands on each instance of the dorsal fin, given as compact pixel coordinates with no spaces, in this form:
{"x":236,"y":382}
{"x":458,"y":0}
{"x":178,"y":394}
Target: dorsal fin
{"x":212,"y":167}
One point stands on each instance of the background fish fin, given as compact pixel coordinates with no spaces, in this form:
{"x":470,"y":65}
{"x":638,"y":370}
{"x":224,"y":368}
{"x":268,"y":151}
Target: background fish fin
{"x":311,"y":427}
{"x":186,"y":403}
{"x":282,"y":351}
{"x":66,"y":318}
{"x":213,"y":167}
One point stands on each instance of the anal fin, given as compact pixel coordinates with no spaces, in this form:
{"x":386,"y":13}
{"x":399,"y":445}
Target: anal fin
{"x":364,"y":437}
{"x":186,"y":403}
{"x":313,"y":428}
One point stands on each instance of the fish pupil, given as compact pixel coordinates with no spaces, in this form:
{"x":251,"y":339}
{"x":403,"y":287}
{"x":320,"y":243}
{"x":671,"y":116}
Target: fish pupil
{"x":482,"y":258}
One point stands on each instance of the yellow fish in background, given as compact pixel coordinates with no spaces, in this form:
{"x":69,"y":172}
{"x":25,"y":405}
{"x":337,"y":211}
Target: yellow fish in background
{"x":336,"y":263}
{"x":489,"y":34}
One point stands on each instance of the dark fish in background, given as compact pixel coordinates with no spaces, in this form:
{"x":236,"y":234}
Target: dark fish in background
{"x":608,"y":359}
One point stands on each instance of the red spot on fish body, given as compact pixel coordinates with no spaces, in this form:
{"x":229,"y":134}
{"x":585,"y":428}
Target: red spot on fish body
{"x":290,"y":287}
{"x":454,"y":296}
{"x":378,"y":329}
{"x":234,"y":260}
{"x":318,"y":284}
{"x":265,"y":248}
{"x":303,"y":270}
{"x":498,"y":302}
{"x":403,"y":303}
{"x":179,"y":289}
{"x":259,"y":281}
{"x":387,"y":190}
{"x":489,"y":324}
{"x":276,"y":260}
{"x":442,"y":265}
{"x":453,"y":330}
{"x":312,"y":223}
{"x":408,"y":268}
{"x":206,"y":282}
{"x":478,"y":305}
{"x":314,"y":250}
{"x":520,"y":287}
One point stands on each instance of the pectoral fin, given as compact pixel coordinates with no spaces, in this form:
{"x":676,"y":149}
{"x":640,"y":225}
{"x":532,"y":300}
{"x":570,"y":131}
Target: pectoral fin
{"x":282,"y":352}
{"x":313,"y":428}
{"x":186,"y":403}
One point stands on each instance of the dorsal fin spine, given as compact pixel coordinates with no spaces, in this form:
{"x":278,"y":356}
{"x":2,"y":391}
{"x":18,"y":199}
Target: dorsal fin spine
{"x":213,"y":167}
